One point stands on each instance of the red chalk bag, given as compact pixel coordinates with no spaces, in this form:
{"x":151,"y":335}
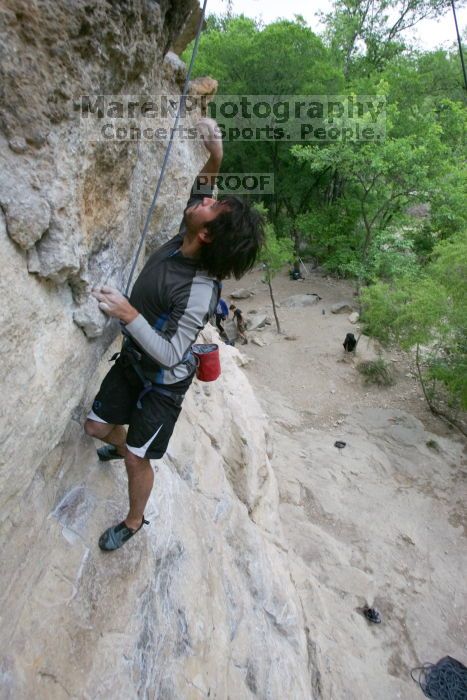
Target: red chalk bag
{"x":208,"y":365}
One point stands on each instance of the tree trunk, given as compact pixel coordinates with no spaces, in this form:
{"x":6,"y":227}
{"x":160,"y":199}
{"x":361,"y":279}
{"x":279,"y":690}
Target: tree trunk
{"x":296,"y":241}
{"x":274,"y":305}
{"x":431,"y":406}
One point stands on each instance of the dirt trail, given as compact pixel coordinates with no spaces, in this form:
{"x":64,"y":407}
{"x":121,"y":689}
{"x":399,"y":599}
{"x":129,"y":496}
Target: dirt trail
{"x":382,"y":522}
{"x":314,"y":371}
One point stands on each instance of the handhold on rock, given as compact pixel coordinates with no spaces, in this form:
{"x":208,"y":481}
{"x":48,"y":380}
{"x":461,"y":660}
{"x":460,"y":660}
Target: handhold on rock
{"x":174,"y":67}
{"x":27,"y":215}
{"x":203,"y":86}
{"x":18,"y":144}
{"x":90,"y":319}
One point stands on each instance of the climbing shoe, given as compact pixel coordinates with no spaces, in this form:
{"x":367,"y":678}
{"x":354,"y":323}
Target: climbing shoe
{"x":108,"y":452}
{"x":116,"y":536}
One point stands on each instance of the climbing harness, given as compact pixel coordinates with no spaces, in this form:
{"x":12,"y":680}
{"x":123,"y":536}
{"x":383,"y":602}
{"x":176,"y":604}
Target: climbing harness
{"x":445,"y":680}
{"x":168,"y":150}
{"x":131,"y":357}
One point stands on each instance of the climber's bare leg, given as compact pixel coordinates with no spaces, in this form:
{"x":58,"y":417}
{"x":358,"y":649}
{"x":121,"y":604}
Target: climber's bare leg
{"x":111,"y":434}
{"x":140,"y":482}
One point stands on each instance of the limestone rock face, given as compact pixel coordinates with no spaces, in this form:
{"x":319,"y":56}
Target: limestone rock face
{"x":77,"y":205}
{"x":72,"y":209}
{"x":201,"y":602}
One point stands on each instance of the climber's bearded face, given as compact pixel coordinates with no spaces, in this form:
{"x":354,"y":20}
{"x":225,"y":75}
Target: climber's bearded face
{"x":201,"y":213}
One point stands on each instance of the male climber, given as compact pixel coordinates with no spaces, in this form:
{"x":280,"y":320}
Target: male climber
{"x":172,"y":300}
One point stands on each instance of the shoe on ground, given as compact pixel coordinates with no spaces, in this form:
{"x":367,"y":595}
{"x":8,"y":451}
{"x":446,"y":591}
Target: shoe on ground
{"x":108,"y":452}
{"x":116,"y":536}
{"x":372,"y":615}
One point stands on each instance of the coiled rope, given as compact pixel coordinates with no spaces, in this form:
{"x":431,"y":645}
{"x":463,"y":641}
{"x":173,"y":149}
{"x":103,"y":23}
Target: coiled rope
{"x":445,"y":680}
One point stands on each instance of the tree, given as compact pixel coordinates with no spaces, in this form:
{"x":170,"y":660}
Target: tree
{"x":425,"y":313}
{"x":280,"y":59}
{"x":381,"y":179}
{"x":365,"y":34}
{"x":274,"y":255}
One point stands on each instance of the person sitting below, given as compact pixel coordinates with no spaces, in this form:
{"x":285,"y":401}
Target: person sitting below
{"x":295,"y":273}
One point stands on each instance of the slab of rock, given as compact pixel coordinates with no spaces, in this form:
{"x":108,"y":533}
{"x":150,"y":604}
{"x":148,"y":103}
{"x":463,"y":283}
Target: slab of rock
{"x":173,"y":66}
{"x":18,"y":144}
{"x":354,"y":317}
{"x":342,"y":307}
{"x":241,"y":294}
{"x":203,"y":86}
{"x":256,"y":322}
{"x":217,"y":501}
{"x":300,"y":300}
{"x":27,"y":214}
{"x":242,"y":360}
{"x":56,"y":255}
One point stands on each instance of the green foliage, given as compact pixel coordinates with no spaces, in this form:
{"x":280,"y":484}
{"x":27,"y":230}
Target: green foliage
{"x":425,"y":312}
{"x":390,"y":213}
{"x":365,"y":34}
{"x":282,"y":58}
{"x":244,"y":57}
{"x":274,"y":255}
{"x":375,"y":237}
{"x":326,"y":232}
{"x":376,"y":372}
{"x":276,"y":252}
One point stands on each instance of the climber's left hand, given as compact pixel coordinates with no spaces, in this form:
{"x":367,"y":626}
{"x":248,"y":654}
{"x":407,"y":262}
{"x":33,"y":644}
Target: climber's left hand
{"x":113,"y":303}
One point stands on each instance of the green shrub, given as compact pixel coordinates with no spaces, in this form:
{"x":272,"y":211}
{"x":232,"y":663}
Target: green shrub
{"x":425,"y":313}
{"x":376,"y":372}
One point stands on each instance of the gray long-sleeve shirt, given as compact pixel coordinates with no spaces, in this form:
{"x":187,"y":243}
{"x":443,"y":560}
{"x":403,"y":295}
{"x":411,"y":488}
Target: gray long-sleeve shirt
{"x":175,"y":300}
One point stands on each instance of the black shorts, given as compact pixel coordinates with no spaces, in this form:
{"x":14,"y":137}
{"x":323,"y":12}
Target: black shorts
{"x":149,"y":427}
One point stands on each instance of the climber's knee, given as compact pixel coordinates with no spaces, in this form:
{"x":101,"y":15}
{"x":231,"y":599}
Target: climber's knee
{"x":97,"y":430}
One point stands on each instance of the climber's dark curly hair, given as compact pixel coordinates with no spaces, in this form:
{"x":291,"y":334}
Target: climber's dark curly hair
{"x":236,"y":237}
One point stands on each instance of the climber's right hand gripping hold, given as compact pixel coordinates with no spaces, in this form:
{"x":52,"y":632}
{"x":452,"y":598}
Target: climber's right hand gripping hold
{"x":114,"y":303}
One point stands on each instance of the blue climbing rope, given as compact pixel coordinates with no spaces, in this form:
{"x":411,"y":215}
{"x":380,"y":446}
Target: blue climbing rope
{"x":445,"y":680}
